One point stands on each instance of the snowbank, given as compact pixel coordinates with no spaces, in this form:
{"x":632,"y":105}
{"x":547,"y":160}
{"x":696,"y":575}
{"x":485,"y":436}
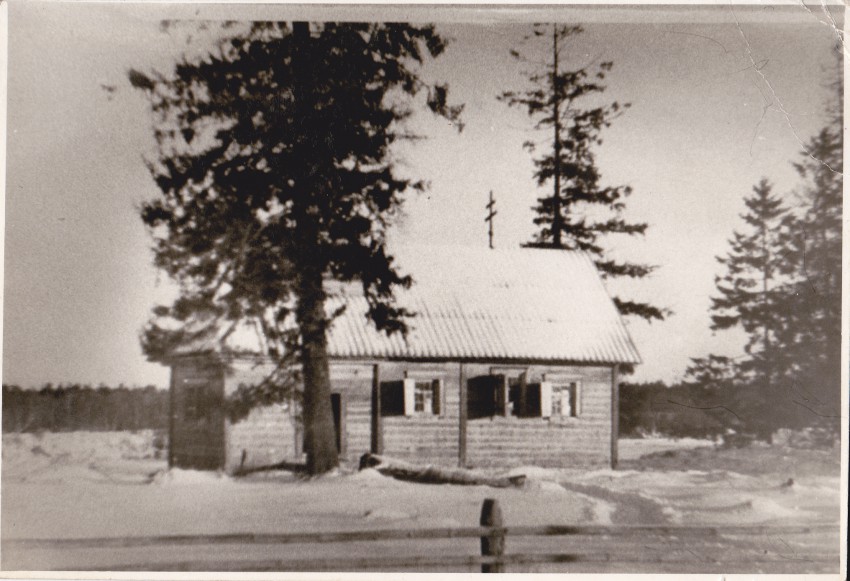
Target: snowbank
{"x":80,"y":456}
{"x":180,"y":477}
{"x":634,"y":448}
{"x":111,"y":484}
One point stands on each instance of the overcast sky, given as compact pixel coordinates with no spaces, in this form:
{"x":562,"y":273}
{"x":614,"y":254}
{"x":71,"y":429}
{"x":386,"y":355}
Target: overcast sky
{"x":720,"y":98}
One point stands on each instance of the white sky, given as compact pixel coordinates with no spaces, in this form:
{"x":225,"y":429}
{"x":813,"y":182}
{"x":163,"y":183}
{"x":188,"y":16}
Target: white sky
{"x":705,"y":125}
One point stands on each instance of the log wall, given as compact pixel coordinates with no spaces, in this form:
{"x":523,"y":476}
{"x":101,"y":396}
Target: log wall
{"x":556,"y":442}
{"x":269,"y":435}
{"x":272,"y":434}
{"x":424,"y":438}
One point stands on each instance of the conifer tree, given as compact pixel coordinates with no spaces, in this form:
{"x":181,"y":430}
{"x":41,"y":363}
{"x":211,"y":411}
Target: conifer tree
{"x":783,"y":287}
{"x":568,"y":216}
{"x":712,"y":372}
{"x":276,"y":174}
{"x":812,"y":337}
{"x":751,"y":289}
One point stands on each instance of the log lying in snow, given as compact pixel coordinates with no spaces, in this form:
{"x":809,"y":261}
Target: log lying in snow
{"x":435,"y":474}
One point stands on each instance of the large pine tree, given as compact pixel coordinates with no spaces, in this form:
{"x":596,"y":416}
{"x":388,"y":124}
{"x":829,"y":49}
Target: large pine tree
{"x":275,"y":169}
{"x":568,"y":216}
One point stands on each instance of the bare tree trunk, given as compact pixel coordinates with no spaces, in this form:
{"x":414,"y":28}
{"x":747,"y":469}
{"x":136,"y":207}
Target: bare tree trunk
{"x":557,"y":222}
{"x":319,"y":436}
{"x":766,"y":276}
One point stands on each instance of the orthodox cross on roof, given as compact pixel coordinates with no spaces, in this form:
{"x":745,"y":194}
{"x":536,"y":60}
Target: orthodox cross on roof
{"x":491,"y":213}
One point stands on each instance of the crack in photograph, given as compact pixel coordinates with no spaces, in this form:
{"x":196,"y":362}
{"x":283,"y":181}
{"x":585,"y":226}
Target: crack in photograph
{"x":445,"y":289}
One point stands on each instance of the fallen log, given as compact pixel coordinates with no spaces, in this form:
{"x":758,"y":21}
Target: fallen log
{"x":430,"y":474}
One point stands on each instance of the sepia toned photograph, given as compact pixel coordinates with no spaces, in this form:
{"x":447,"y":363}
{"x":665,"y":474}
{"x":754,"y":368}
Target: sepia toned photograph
{"x":423,"y":289}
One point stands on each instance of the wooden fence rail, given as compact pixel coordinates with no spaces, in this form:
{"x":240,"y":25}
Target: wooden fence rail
{"x":403,"y":534}
{"x":586,"y":545}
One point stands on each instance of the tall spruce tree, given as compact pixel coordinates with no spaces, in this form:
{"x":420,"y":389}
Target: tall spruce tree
{"x":275,"y":172}
{"x":752,"y":288}
{"x":568,"y":217}
{"x":812,"y":337}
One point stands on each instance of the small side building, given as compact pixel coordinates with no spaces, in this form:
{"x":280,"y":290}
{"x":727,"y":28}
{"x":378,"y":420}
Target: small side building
{"x":512,"y":358}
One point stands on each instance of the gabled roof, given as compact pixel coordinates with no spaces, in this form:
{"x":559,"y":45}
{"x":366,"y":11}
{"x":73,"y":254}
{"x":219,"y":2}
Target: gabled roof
{"x":476,"y":303}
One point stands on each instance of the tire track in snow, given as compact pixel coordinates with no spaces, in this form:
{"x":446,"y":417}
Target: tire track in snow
{"x":629,"y":508}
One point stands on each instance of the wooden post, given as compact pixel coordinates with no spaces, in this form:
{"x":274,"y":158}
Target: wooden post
{"x":222,"y":419}
{"x":615,"y":413}
{"x":172,"y":411}
{"x":377,"y":424}
{"x":463,"y":414}
{"x":492,"y":545}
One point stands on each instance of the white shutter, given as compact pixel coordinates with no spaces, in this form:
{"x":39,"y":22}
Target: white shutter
{"x":578,"y":398}
{"x":545,"y":399}
{"x":409,"y":397}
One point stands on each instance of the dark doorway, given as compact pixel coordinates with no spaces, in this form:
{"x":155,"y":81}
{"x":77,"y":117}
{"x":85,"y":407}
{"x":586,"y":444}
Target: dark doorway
{"x":197,"y":437}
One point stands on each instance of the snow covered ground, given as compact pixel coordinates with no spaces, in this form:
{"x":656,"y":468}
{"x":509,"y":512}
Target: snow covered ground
{"x":80,"y":484}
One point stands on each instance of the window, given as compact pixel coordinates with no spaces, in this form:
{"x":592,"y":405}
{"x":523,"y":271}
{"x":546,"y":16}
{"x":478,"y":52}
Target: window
{"x":411,"y":397}
{"x":423,"y":395}
{"x":500,"y":395}
{"x":564,"y":399}
{"x":524,"y":398}
{"x":392,"y":398}
{"x":485,"y":396}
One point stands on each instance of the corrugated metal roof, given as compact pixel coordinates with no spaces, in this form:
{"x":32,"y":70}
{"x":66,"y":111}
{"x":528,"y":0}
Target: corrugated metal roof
{"x":471,"y":303}
{"x":493,"y":304}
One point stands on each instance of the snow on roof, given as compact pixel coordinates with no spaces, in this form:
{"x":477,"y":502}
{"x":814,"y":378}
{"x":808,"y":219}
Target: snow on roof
{"x":477,"y":303}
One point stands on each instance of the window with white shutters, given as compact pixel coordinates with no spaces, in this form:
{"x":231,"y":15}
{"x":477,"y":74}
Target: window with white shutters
{"x":412,"y":397}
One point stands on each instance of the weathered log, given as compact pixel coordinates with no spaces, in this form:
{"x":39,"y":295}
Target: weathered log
{"x":431,"y":474}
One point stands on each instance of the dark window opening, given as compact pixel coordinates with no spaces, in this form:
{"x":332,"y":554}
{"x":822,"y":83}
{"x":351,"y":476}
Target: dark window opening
{"x":392,"y":398}
{"x":498,"y":395}
{"x":484,"y":396}
{"x":525,"y":398}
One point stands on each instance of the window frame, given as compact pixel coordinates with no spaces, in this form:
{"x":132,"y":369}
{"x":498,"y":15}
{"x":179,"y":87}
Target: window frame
{"x":569,"y":390}
{"x":513,"y":376}
{"x":432,"y":390}
{"x":507,"y":394}
{"x":423,"y":397}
